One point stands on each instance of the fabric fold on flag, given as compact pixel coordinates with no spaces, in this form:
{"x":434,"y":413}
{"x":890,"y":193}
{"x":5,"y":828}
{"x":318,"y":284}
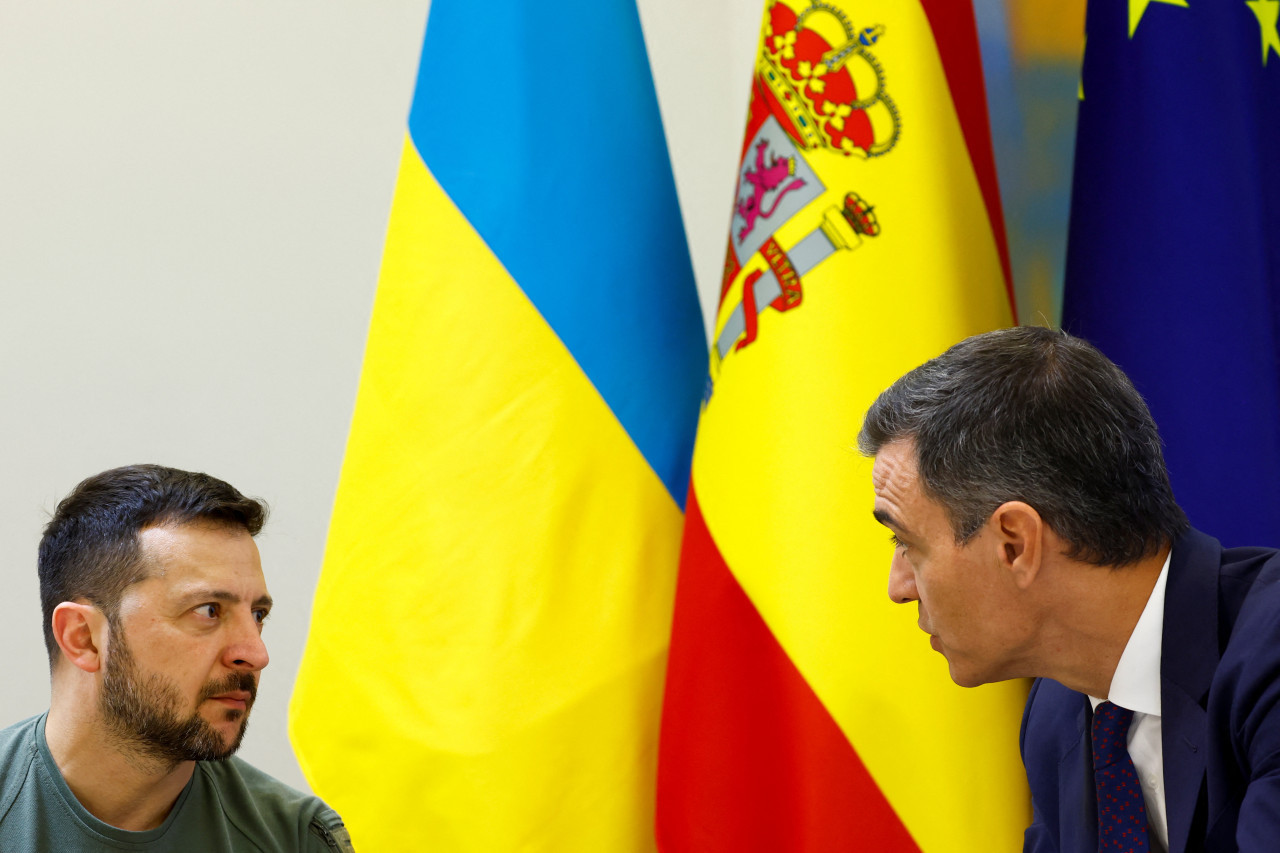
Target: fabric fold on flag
{"x":803,"y":710}
{"x":484,"y":666}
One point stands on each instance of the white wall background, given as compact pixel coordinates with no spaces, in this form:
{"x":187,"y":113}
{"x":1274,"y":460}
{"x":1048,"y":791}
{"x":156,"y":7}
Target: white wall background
{"x":192,"y":204}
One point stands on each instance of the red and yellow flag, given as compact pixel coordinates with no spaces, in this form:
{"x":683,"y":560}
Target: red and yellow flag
{"x":803,"y":710}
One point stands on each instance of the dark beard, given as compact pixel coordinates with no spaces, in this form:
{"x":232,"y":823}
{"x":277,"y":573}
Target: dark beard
{"x":142,"y":711}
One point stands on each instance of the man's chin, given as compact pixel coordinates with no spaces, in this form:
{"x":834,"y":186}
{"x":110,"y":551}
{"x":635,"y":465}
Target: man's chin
{"x":964,"y":676}
{"x":230,"y":726}
{"x":230,"y":747}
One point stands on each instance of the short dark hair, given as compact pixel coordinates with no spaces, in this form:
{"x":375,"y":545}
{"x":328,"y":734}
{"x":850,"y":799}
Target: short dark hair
{"x":90,"y":547}
{"x":1035,"y":415}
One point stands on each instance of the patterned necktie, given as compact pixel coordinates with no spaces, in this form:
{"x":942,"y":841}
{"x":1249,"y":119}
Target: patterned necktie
{"x":1122,"y":814}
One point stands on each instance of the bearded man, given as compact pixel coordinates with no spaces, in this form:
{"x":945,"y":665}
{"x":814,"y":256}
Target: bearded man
{"x":153,"y":600}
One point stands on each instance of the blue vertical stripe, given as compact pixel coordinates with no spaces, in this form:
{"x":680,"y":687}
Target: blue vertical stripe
{"x":542,"y":125}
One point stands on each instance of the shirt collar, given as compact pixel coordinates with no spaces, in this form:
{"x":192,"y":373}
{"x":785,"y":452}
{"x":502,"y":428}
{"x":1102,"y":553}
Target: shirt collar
{"x":1136,"y":683}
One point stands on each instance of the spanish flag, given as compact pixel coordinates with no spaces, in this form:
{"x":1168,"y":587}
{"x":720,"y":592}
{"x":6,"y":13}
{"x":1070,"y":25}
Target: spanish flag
{"x":485,"y":660}
{"x":804,"y":711}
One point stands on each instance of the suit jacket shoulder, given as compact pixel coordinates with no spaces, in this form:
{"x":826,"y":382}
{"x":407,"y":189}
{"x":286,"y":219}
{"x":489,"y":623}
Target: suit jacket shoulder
{"x":1220,"y":713}
{"x":1243,"y":706}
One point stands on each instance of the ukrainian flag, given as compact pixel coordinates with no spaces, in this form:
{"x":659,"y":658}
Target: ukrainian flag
{"x":484,"y":667}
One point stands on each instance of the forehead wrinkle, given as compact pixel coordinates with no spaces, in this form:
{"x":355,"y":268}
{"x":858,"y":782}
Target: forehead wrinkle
{"x":895,"y":468}
{"x":896,"y":481}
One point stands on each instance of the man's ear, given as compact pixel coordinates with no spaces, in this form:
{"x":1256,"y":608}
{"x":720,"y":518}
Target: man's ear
{"x":80,"y":631}
{"x":1019,"y":532}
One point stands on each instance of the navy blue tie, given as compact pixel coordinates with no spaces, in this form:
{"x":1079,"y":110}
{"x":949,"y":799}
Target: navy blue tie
{"x":1122,"y":814}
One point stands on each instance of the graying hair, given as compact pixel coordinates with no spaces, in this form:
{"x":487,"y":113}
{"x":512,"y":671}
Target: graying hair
{"x":1035,"y":415}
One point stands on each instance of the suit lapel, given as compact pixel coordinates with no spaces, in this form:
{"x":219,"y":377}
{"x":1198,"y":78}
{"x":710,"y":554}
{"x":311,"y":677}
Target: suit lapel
{"x":1076,"y":778}
{"x":1082,"y":770}
{"x":1189,"y":656}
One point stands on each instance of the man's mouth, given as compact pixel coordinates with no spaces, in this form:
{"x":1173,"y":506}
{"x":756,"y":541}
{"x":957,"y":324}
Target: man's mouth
{"x":237,"y":699}
{"x":934,"y":642}
{"x":235,"y":693}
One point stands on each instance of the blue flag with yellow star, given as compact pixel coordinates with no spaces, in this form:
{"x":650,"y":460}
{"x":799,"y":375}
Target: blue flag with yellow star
{"x":1173,"y":259}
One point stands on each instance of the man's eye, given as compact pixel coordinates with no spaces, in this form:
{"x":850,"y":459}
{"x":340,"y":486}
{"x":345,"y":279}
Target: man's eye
{"x":897,"y":543}
{"x":208,"y":610}
{"x":261,"y":615}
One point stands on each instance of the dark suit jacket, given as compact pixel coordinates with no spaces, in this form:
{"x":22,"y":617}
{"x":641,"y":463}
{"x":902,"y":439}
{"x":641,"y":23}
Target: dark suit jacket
{"x":1220,"y":713}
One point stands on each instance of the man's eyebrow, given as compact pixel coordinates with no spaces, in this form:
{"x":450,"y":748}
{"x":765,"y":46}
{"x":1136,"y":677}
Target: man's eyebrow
{"x":886,"y":519}
{"x":224,"y":596}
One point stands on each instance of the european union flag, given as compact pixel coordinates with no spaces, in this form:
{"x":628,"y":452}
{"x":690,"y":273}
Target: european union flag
{"x":1173,"y":261}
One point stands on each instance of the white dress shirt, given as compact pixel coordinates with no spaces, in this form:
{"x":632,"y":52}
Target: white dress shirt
{"x":1136,"y":686}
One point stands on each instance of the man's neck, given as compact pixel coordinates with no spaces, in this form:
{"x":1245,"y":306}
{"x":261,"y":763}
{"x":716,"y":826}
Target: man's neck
{"x":116,"y":785}
{"x":1097,"y":610}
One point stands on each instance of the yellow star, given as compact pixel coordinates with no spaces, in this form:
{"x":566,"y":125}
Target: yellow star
{"x":1267,"y":12}
{"x":1137,"y":7}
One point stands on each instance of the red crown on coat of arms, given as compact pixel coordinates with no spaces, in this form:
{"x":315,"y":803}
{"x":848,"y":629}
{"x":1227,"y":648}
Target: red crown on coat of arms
{"x":825,"y":85}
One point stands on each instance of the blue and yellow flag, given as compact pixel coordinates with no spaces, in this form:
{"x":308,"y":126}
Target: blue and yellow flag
{"x":485,"y":661}
{"x":1173,"y":265}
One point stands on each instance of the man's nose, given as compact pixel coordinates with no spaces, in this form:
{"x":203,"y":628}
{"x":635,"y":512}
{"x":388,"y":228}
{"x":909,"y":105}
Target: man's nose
{"x":902,"y":579}
{"x":246,"y":651}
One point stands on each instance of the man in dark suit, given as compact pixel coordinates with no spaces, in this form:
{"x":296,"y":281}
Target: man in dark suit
{"x":1022,"y":478}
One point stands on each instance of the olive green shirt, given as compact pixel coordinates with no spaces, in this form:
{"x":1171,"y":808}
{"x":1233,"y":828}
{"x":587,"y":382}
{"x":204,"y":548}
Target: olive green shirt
{"x":227,"y":806}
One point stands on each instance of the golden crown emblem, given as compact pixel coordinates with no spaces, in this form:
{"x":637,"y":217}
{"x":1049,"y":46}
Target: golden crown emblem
{"x":825,"y":85}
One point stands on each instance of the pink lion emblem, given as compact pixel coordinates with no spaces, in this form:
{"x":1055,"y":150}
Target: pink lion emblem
{"x":764,"y":179}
